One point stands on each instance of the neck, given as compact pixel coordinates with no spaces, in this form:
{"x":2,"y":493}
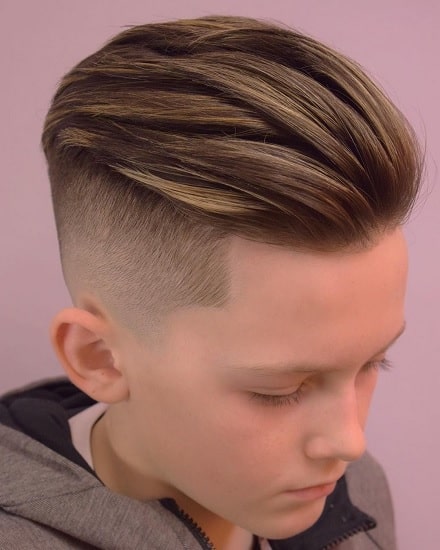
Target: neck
{"x":116,"y":473}
{"x":119,"y":477}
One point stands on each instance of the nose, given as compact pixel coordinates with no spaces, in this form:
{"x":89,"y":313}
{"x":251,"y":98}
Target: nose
{"x":338,"y":429}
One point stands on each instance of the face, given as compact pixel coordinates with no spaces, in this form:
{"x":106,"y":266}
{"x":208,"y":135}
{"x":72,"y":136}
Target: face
{"x":240,"y":408}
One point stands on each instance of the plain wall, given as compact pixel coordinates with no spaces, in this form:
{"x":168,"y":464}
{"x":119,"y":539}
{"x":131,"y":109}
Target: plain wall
{"x":396,"y":41}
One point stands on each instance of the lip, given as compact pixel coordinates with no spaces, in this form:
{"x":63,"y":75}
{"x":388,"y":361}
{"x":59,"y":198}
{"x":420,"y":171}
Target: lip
{"x":314,"y":492}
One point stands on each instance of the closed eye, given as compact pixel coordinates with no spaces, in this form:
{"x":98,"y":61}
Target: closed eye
{"x":295,"y":397}
{"x":382,"y":364}
{"x":279,"y":400}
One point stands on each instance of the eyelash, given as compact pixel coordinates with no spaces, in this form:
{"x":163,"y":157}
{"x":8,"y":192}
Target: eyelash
{"x":295,"y":397}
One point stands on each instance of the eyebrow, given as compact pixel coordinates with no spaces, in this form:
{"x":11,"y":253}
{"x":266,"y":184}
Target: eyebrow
{"x":277,"y":369}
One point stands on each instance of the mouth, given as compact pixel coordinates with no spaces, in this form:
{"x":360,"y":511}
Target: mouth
{"x":314,"y":492}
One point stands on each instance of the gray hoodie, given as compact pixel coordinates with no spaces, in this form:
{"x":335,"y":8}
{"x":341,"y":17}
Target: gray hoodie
{"x":50,"y":499}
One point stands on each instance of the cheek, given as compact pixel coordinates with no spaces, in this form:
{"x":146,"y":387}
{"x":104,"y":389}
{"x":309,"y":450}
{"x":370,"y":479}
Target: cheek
{"x":236,"y":437}
{"x":207,"y":429}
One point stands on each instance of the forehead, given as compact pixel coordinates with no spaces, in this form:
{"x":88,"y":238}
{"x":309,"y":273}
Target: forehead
{"x":258,"y":270}
{"x":283,"y":300}
{"x":304,"y":307}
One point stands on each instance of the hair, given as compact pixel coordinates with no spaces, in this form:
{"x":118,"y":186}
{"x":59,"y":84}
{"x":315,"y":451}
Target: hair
{"x":176,"y":136}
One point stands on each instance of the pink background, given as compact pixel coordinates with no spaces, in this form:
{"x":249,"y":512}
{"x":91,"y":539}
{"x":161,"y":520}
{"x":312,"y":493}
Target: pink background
{"x":397,"y":41}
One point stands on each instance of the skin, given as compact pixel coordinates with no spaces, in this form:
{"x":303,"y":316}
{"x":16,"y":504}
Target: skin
{"x":182,"y":422}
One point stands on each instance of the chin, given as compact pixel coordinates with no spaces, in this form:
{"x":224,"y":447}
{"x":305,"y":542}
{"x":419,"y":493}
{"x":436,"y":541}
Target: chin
{"x":288,"y":524}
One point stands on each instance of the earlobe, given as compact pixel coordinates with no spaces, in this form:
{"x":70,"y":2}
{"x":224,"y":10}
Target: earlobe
{"x":81,"y":343}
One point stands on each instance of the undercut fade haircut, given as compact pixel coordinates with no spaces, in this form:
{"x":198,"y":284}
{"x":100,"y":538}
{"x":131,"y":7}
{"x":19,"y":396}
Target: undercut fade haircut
{"x":176,"y":136}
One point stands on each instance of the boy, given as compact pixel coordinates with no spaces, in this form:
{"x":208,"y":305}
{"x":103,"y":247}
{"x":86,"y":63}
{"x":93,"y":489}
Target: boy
{"x":229,"y":197}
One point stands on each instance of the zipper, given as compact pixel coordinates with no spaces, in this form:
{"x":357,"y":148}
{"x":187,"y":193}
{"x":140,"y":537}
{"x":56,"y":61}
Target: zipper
{"x":367,"y":525}
{"x":200,"y":535}
{"x":196,"y":530}
{"x":193,"y":526}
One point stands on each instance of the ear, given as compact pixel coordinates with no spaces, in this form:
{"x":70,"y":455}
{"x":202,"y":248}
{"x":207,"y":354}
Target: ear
{"x":82,"y":343}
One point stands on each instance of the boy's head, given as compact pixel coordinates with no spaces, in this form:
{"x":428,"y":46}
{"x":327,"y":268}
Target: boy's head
{"x":176,"y":136}
{"x":228,"y":194}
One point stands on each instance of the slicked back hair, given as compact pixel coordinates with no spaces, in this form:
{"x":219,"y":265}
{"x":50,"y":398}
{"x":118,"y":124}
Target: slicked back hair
{"x":177,"y":135}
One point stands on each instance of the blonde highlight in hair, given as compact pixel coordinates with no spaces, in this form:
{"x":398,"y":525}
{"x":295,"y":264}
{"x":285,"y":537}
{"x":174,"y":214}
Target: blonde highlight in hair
{"x":175,"y":136}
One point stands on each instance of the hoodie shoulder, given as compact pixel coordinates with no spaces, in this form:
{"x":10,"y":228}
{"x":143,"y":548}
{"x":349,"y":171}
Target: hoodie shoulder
{"x":47,"y":501}
{"x":18,"y":532}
